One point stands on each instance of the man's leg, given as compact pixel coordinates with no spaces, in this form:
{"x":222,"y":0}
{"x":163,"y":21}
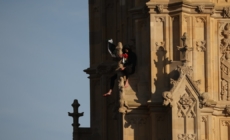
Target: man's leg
{"x":112,"y":82}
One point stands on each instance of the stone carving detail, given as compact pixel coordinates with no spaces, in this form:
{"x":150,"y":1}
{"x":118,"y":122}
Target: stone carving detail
{"x":225,"y":63}
{"x":186,"y":18}
{"x":160,"y":19}
{"x":204,"y":118}
{"x":200,"y":19}
{"x":121,"y":80}
{"x":200,"y":9}
{"x":205,"y":101}
{"x":159,"y":8}
{"x":197,"y":83}
{"x":226,"y":122}
{"x":225,"y":42}
{"x":184,"y":48}
{"x":213,"y":11}
{"x":186,"y":137}
{"x":174,"y":83}
{"x":167,"y":98}
{"x":200,"y":46}
{"x":185,"y":70}
{"x":123,"y":104}
{"x":186,"y":106}
{"x":227,"y":110}
{"x":226,"y":12}
{"x":160,"y":45}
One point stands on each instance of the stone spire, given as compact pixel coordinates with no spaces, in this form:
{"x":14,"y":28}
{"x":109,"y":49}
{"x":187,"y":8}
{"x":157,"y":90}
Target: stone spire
{"x":75,"y":116}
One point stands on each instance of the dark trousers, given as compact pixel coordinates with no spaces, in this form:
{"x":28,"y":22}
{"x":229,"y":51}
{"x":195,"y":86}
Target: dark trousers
{"x":126,"y":72}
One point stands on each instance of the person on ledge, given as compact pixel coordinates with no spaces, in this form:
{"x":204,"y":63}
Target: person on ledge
{"x":129,"y":63}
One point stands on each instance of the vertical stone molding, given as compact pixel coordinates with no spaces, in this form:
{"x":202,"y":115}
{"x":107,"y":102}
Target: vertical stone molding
{"x":204,"y":128}
{"x":224,"y":129}
{"x":225,"y":61}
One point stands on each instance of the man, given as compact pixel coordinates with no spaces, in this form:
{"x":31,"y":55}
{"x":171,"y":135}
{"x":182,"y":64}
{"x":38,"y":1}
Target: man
{"x":129,"y":60}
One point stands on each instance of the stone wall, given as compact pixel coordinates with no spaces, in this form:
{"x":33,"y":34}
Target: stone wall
{"x":183,"y":52}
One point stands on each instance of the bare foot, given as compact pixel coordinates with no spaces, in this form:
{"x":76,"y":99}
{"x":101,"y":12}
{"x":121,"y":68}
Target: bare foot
{"x":126,"y":84}
{"x":108,"y":93}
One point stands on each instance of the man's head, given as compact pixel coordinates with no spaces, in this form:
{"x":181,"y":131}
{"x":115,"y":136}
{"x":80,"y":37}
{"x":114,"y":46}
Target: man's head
{"x":126,"y":49}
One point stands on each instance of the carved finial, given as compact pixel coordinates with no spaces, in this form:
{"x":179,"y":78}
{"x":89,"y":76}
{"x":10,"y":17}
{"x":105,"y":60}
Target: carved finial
{"x":184,"y":48}
{"x":226,"y":12}
{"x":159,"y":8}
{"x":75,"y":116}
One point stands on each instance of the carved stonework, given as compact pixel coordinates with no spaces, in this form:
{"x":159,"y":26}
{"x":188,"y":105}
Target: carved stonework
{"x":206,"y":101}
{"x":226,"y":122}
{"x":226,"y":12}
{"x":160,"y":19}
{"x":200,"y":46}
{"x":225,"y":42}
{"x":173,"y":83}
{"x":197,"y":83}
{"x":200,"y":8}
{"x":227,"y":110}
{"x":225,"y":63}
{"x":185,"y":70}
{"x":159,"y":8}
{"x":186,"y":18}
{"x":204,"y":119}
{"x":160,"y":45}
{"x":184,"y":49}
{"x":186,"y":137}
{"x":186,"y":106}
{"x":123,"y":104}
{"x":167,"y":98}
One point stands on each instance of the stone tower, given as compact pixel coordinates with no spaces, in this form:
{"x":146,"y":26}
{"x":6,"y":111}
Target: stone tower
{"x":181,"y":87}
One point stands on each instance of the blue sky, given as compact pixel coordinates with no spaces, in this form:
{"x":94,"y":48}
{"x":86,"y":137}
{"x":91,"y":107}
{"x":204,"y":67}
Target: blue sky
{"x":44,"y":48}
